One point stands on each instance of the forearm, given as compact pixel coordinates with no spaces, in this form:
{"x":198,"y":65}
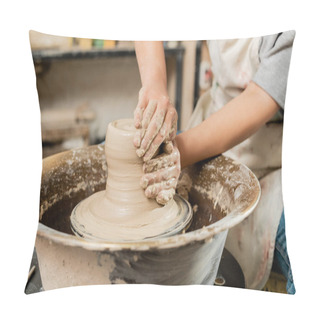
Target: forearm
{"x":232,"y":124}
{"x":151,"y":61}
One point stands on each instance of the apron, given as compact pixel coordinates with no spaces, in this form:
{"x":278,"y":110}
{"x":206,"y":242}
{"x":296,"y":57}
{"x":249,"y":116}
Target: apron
{"x":252,"y":242}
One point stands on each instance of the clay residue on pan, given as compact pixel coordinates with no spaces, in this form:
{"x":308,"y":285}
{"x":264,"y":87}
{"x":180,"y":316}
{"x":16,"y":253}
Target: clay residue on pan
{"x":217,"y":187}
{"x":184,"y":185}
{"x":76,"y":180}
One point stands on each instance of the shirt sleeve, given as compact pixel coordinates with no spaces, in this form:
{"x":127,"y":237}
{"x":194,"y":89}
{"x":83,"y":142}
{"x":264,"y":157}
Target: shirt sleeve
{"x":272,"y":74}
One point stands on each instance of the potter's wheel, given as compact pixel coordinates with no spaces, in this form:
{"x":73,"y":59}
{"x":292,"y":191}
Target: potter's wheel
{"x":190,"y":258}
{"x":109,"y":228}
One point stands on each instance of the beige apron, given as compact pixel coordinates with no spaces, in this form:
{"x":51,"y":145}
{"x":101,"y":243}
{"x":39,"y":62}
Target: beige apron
{"x":234,"y":62}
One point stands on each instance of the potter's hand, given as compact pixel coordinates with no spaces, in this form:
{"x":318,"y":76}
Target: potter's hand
{"x":161,"y":174}
{"x":156,"y":118}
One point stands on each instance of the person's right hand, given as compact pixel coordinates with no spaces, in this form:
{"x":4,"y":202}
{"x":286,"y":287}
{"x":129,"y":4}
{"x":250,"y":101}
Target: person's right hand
{"x":161,"y":174}
{"x":156,"y":118}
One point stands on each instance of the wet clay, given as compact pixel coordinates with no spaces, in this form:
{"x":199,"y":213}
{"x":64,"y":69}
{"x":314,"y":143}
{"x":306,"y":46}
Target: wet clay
{"x":122,"y":212}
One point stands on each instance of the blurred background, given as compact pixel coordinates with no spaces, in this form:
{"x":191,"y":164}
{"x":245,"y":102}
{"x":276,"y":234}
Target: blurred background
{"x":83,"y":84}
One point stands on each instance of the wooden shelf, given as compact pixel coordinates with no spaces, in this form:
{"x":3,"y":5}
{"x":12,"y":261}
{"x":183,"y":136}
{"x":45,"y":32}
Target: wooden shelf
{"x":55,"y":54}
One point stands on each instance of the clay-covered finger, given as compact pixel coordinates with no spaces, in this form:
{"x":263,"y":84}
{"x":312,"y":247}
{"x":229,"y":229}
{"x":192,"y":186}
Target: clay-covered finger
{"x":138,"y":112}
{"x":173,"y":130}
{"x":151,"y":132}
{"x":168,"y":147}
{"x":171,"y":124}
{"x":159,"y":176}
{"x":154,"y":146}
{"x":147,"y":116}
{"x":153,"y":190}
{"x":137,"y":115}
{"x":162,"y":161}
{"x":164,"y":196}
{"x":137,"y":139}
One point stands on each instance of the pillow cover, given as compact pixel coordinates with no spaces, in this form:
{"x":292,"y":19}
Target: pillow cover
{"x":237,"y":236}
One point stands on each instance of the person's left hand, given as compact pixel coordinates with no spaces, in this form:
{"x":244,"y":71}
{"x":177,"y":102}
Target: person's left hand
{"x":161,"y":174}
